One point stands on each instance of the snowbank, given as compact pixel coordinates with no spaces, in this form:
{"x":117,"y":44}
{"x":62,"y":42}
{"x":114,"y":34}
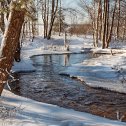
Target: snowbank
{"x":34,"y":113}
{"x":23,"y":66}
{"x":106,"y":71}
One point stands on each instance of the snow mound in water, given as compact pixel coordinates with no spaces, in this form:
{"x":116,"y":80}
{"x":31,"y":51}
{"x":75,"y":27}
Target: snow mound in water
{"x":23,"y":66}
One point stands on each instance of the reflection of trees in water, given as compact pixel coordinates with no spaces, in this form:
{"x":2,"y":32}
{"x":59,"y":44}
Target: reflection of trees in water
{"x":48,"y":68}
{"x":66,"y":59}
{"x":50,"y":60}
{"x":47,"y":59}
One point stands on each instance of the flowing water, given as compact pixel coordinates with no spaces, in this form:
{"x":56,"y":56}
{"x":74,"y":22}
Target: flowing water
{"x":47,"y":85}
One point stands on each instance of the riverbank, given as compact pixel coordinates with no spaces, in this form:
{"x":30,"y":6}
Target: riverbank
{"x":27,"y":112}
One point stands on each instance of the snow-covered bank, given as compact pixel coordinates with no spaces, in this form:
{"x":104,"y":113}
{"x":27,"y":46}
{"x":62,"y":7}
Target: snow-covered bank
{"x":108,"y":51}
{"x":34,"y":113}
{"x":25,"y":65}
{"x":106,"y":71}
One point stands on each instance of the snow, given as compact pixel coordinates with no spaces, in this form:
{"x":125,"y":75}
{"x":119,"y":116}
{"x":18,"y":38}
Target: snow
{"x":106,"y":71}
{"x":23,"y":66}
{"x":33,"y":113}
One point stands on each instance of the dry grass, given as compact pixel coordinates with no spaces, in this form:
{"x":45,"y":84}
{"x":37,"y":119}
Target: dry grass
{"x":7,"y":112}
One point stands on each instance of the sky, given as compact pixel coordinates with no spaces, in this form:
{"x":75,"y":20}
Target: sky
{"x":70,"y":3}
{"x":75,"y":5}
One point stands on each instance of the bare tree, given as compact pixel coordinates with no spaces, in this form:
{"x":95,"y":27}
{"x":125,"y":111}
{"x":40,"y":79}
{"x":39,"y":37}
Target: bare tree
{"x":60,"y":18}
{"x":105,"y":23}
{"x":53,"y":15}
{"x":97,"y":22}
{"x":118,"y":20}
{"x":111,"y":27}
{"x":102,"y":15}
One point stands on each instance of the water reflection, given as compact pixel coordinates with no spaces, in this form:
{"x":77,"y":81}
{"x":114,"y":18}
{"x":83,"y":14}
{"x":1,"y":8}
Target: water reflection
{"x":66,"y":59}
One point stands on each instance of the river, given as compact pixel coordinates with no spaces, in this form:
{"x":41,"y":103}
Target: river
{"x":47,"y":85}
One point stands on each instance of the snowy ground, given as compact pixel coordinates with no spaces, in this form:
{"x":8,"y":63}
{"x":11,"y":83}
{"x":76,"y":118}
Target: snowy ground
{"x":33,"y":113}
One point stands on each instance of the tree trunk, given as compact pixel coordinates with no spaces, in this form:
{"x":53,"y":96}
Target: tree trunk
{"x":93,"y":25}
{"x":118,"y":22}
{"x":104,"y":24}
{"x":100,"y":20}
{"x":9,"y":44}
{"x":44,"y":11}
{"x":96,"y":26}
{"x":124,"y":30}
{"x":47,"y":18}
{"x":33,"y":31}
{"x":97,"y":29}
{"x":107,"y":24}
{"x":111,"y":28}
{"x":2,"y":23}
{"x":53,"y":15}
{"x":60,"y":18}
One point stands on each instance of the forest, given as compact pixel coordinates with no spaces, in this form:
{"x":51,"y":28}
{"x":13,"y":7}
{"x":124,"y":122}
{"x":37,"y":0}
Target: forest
{"x":62,"y":62}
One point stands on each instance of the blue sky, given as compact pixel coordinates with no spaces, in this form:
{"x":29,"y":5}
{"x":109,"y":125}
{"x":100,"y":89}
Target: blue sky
{"x":70,"y":3}
{"x":74,"y":4}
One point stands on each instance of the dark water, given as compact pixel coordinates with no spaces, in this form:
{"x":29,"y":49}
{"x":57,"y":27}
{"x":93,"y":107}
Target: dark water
{"x":46,"y":85}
